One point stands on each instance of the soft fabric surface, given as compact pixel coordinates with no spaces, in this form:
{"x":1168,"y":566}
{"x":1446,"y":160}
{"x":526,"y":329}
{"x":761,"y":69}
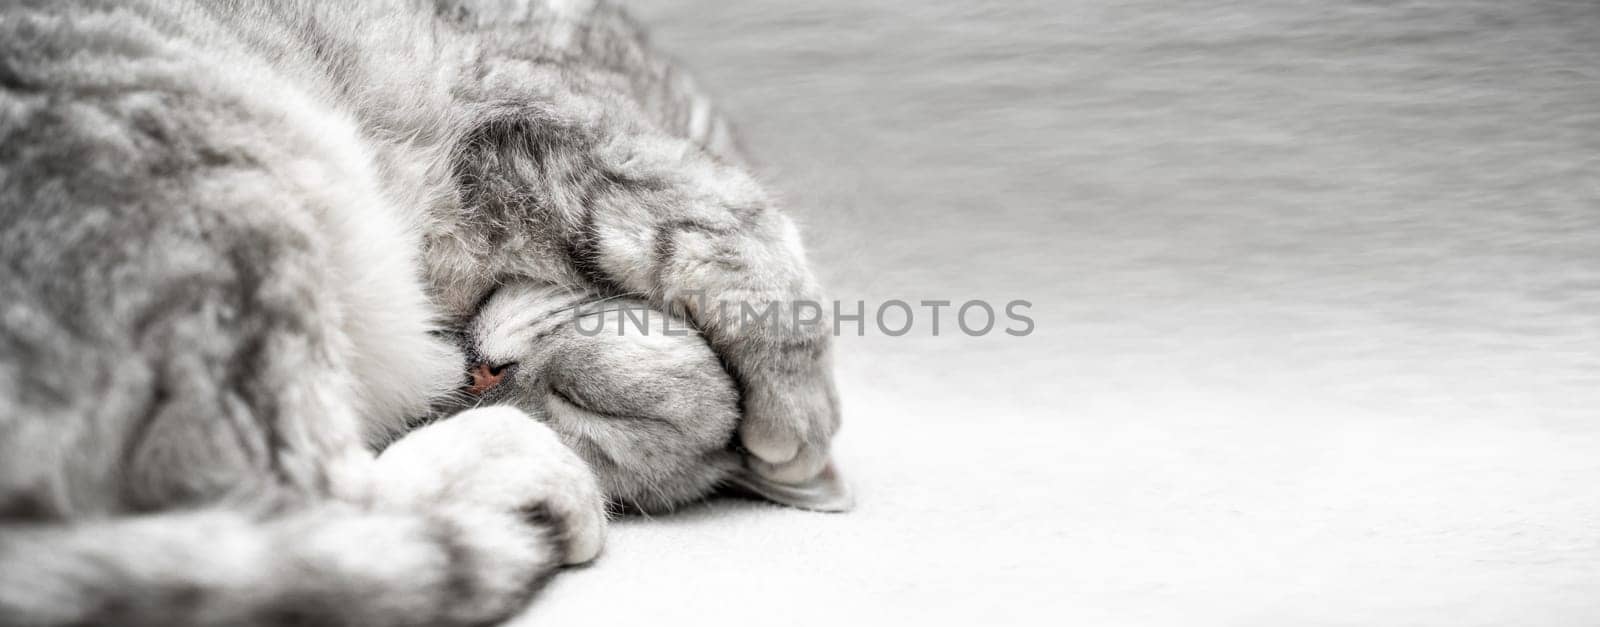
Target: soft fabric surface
{"x":1317,"y":292}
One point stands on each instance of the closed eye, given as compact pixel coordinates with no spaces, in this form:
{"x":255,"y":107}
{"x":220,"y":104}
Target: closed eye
{"x":563,"y":398}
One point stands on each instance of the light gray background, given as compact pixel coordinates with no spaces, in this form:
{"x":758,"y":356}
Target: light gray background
{"x":1317,"y":287}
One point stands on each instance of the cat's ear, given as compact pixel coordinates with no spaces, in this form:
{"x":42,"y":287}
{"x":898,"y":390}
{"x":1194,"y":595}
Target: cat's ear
{"x":826,"y":492}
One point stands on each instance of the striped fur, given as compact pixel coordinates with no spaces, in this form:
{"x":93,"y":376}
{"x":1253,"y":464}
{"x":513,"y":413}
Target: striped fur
{"x":230,"y":233}
{"x":635,"y":391}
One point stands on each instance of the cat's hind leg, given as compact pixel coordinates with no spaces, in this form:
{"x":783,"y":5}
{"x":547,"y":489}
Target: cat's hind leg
{"x":469,"y":516}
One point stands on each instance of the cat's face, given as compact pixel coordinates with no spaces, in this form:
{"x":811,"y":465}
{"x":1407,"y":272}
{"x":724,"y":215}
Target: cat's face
{"x":636,"y":392}
{"x":650,"y":408}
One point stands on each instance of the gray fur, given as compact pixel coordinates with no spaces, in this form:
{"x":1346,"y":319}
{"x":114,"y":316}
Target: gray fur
{"x":653,"y":414}
{"x":229,"y":232}
{"x":635,"y":391}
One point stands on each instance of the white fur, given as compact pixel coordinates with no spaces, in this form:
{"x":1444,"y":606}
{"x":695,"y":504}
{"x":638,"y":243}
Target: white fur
{"x":500,"y":458}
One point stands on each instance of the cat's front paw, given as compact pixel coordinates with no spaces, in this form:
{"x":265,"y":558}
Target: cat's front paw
{"x":500,"y":458}
{"x":789,"y":422}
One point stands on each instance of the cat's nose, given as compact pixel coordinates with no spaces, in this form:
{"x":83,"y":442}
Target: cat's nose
{"x":485,"y":377}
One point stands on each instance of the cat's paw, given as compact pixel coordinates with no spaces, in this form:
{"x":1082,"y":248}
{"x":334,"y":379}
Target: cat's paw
{"x":789,"y":422}
{"x":500,"y":458}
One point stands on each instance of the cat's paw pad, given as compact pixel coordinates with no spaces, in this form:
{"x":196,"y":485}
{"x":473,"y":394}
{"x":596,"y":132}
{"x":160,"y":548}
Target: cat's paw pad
{"x":499,"y":457}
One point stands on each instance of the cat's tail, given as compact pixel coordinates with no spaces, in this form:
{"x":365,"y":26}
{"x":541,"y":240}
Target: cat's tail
{"x":323,"y":564}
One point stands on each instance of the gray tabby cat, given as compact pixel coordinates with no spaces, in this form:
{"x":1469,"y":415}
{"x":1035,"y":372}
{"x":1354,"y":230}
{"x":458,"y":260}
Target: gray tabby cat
{"x":231,"y":237}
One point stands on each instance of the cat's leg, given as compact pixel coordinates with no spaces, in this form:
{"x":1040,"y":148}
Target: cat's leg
{"x":631,"y":186}
{"x":474,"y":557}
{"x":657,"y":218}
{"x":734,"y":265}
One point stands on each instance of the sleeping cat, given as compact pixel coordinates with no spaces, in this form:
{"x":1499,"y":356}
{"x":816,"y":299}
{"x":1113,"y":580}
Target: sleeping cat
{"x":232,"y":235}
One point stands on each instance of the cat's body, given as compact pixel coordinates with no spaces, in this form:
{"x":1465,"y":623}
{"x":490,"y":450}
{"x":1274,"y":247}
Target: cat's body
{"x":228,"y":234}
